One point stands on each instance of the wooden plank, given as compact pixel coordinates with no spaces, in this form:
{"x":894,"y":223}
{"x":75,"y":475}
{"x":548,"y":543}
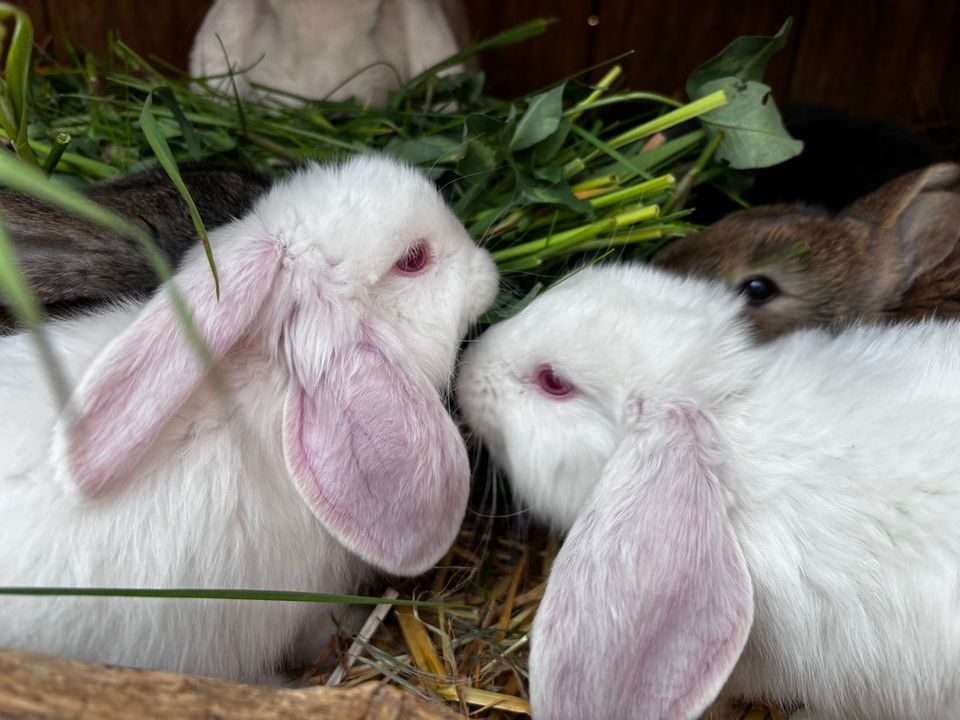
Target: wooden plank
{"x":49,"y":688}
{"x":164,"y":29}
{"x":670,"y":39}
{"x":885,"y":58}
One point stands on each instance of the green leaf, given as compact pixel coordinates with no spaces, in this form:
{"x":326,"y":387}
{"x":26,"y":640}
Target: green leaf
{"x":479,"y":160}
{"x":483,"y":136}
{"x":153,"y":133}
{"x":541,"y":119}
{"x":427,"y":149}
{"x":556,"y":193}
{"x":745,"y":58}
{"x":754,"y":135}
{"x":547,"y":149}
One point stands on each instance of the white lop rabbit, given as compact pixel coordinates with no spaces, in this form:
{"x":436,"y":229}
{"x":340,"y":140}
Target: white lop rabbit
{"x":311,"y":48}
{"x":779,"y":521}
{"x":319,"y":448}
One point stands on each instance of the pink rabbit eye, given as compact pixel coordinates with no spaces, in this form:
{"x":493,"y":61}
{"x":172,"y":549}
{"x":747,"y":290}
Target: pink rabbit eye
{"x":415,"y":259}
{"x":551,"y":383}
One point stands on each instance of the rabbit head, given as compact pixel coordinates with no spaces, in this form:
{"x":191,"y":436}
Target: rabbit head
{"x":799,"y":266}
{"x":551,"y":395}
{"x":598,"y":398}
{"x":357,"y":282}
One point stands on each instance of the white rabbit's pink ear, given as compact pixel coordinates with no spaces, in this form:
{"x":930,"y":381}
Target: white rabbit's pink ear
{"x":378,"y":459}
{"x":649,"y":602}
{"x":145,"y":374}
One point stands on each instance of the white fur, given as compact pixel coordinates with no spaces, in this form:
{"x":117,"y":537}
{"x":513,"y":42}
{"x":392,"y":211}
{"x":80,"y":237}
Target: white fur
{"x":211,"y":504}
{"x":312,"y":47}
{"x":842,"y":475}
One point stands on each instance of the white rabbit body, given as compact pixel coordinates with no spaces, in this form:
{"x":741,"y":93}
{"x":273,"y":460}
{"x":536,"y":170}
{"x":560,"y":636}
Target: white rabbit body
{"x":777,"y":521}
{"x":312,"y":48}
{"x":343,"y":298}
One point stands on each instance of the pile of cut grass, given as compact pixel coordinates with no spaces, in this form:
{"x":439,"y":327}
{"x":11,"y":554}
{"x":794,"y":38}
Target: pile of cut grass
{"x":539,"y":180}
{"x":542,"y":181}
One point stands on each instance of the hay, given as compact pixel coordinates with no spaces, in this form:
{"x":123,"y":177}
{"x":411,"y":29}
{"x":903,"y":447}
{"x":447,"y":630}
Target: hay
{"x":474,"y":657}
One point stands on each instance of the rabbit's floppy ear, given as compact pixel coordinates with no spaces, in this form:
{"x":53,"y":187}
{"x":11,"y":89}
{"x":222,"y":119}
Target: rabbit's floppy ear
{"x":649,"y":602}
{"x":377,"y":457}
{"x":922,"y":210}
{"x":144,"y":375}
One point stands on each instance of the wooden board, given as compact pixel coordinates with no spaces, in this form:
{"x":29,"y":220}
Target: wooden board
{"x":892,"y":59}
{"x":47,"y":688}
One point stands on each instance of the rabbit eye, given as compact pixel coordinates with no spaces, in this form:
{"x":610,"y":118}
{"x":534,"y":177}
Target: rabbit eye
{"x":551,"y":383}
{"x":759,"y":289}
{"x":415,"y":259}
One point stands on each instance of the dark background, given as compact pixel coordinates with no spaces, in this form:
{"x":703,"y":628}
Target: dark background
{"x":897,"y":60}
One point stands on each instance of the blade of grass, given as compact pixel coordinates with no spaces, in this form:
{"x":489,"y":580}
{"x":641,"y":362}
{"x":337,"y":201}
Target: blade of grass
{"x":27,"y":311}
{"x":16,"y":77}
{"x":218,"y":594}
{"x":507,"y":37}
{"x":485,"y":699}
{"x":189,"y":136}
{"x":419,"y":643}
{"x":609,"y":149}
{"x":151,"y":129}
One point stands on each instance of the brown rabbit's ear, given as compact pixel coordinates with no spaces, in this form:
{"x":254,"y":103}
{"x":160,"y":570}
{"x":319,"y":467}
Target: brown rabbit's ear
{"x":922,"y":211}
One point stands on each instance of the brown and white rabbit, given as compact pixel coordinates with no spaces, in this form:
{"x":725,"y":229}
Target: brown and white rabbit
{"x":892,"y":255}
{"x":772,"y":521}
{"x":323,"y":452}
{"x":72,"y":263}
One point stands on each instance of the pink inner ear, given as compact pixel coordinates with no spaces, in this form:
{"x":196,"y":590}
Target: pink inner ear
{"x":650,"y":582}
{"x":139,"y":381}
{"x":379,"y":461}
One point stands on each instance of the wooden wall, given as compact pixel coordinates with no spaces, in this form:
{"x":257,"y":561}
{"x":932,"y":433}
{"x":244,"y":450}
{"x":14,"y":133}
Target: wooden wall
{"x":893,"y":59}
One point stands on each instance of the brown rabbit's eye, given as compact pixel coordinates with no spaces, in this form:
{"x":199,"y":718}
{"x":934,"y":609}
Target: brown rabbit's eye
{"x":759,"y":289}
{"x":415,"y":259}
{"x":551,"y":383}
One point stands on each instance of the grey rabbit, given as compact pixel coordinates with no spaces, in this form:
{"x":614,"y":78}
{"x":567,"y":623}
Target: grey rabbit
{"x":71,"y":263}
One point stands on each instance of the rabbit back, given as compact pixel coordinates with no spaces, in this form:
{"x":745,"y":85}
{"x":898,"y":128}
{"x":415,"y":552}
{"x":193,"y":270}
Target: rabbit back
{"x":197,"y":519}
{"x":845,"y":510}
